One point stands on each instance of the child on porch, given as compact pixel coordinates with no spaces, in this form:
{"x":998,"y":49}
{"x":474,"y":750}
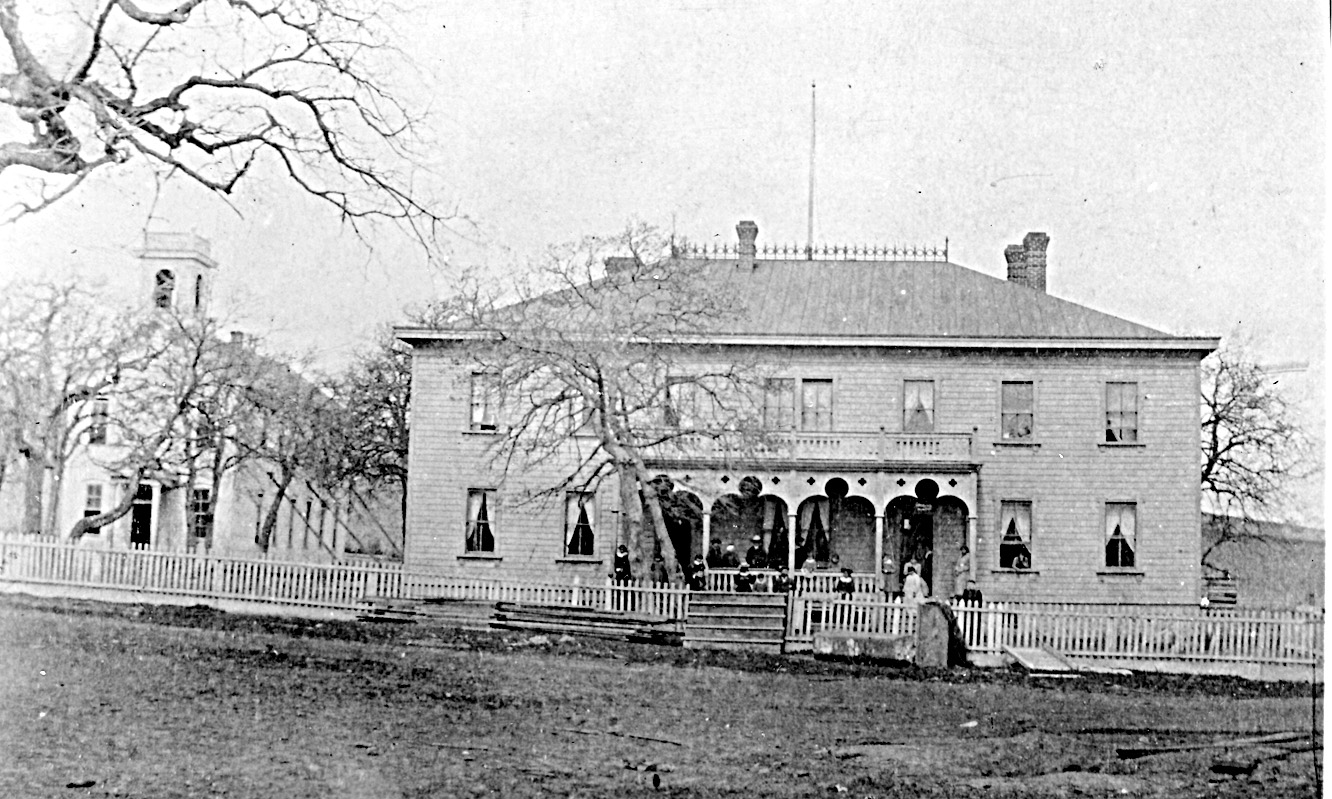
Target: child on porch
{"x":845,"y":587}
{"x":961,"y":571}
{"x":744,"y":580}
{"x":698,"y":574}
{"x":620,"y":569}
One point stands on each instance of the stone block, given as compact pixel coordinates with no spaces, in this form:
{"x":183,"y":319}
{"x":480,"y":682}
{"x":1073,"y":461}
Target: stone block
{"x":888,"y":647}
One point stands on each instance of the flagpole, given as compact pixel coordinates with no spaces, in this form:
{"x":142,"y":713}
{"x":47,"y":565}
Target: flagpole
{"x":809,"y":235}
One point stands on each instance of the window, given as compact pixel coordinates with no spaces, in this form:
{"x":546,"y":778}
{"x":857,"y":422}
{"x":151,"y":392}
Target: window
{"x":1014,"y":535}
{"x":682,"y":401}
{"x":484,"y":389}
{"x":1017,"y":415}
{"x":480,"y":520}
{"x":779,"y":404}
{"x":201,"y":513}
{"x":579,"y":512}
{"x":1121,"y":534}
{"x":1121,"y":413}
{"x":816,"y":405}
{"x":164,"y":286}
{"x":204,"y":430}
{"x":92,"y":505}
{"x":198,"y":291}
{"x":97,"y":424}
{"x":918,"y":406}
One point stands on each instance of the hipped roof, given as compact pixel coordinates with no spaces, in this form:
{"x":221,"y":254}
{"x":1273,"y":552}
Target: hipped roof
{"x":907,"y":299}
{"x":903,"y":303}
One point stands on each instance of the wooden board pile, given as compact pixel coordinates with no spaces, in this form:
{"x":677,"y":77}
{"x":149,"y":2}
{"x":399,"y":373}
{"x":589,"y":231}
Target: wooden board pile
{"x":587,"y":621}
{"x":466,"y":614}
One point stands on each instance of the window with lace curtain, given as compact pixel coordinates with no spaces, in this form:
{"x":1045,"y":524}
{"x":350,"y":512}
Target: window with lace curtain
{"x":918,"y":406}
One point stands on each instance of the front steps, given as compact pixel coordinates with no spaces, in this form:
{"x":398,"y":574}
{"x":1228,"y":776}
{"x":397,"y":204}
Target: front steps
{"x":724,"y":620}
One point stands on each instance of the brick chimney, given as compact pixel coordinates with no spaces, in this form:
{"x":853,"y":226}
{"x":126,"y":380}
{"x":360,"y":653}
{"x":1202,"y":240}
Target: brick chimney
{"x":748,"y":233}
{"x":1026,"y":261}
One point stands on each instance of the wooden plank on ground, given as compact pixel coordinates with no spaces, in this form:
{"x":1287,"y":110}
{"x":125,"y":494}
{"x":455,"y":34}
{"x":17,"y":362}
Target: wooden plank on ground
{"x":1039,"y":659}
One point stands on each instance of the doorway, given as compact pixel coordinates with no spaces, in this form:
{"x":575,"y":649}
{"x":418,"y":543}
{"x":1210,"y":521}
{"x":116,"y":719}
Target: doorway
{"x":141,"y":516}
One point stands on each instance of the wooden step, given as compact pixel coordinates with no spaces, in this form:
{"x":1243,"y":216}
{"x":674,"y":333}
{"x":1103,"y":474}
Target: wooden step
{"x":706,"y":615}
{"x":736,"y":634}
{"x":740,"y":646}
{"x":726,"y":598}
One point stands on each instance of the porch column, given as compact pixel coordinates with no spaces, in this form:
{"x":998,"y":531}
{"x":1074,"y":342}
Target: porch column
{"x":878,"y":544}
{"x":790,"y":542}
{"x":971,"y":544}
{"x":707,"y":531}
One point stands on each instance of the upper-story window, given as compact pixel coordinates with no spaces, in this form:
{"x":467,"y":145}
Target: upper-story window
{"x":779,"y":403}
{"x":101,"y":411}
{"x":1121,"y":534}
{"x":164,"y":287}
{"x":816,"y":405}
{"x":485,"y":392}
{"x":1017,"y":410}
{"x":579,"y":523}
{"x":1121,"y":413}
{"x":480,"y":535}
{"x":681,"y":408}
{"x":918,"y":406}
{"x":198,"y":291}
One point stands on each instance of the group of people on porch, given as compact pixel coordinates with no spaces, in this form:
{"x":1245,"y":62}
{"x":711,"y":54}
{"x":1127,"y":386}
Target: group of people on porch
{"x":914,"y":588}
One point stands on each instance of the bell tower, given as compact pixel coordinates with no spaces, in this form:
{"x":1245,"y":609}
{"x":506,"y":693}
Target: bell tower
{"x":178,"y":271}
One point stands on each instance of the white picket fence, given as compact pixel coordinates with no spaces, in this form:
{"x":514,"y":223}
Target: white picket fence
{"x":655,"y":599}
{"x":1108,"y":632}
{"x":330,"y":586}
{"x":1087,"y":632}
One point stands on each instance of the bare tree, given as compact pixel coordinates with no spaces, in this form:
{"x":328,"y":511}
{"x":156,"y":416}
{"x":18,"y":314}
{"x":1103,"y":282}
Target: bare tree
{"x":375,"y":393}
{"x":292,"y":424}
{"x":156,"y":422}
{"x":599,"y":361}
{"x":216,"y":91}
{"x":61,"y":354}
{"x":1254,"y":449}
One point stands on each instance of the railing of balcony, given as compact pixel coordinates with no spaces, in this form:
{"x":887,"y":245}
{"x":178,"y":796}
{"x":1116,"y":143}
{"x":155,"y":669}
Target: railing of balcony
{"x":877,"y":445}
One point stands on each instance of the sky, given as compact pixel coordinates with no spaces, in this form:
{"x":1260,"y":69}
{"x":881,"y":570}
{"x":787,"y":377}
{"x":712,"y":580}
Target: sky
{"x":1174,"y":152}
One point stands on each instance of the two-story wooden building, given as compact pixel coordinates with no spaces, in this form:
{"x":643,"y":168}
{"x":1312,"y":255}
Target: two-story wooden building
{"x":926,"y":406}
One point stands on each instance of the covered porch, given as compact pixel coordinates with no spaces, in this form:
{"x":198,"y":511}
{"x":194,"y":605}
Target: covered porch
{"x":872,"y":516}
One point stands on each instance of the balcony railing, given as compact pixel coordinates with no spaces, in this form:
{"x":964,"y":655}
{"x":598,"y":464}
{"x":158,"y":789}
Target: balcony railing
{"x":874,"y":446}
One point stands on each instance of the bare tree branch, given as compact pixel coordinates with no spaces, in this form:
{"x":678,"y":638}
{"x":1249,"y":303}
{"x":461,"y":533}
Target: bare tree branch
{"x":289,"y":90}
{"x":595,"y":377}
{"x":1254,"y":449}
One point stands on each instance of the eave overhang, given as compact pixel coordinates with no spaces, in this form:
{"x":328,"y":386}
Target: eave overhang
{"x":1196,"y":344}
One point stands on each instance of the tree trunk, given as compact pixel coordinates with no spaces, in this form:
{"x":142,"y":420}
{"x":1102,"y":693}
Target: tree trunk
{"x":56,"y":472}
{"x":215,"y":492}
{"x":265,"y":536}
{"x":34,"y":480}
{"x":83,"y":526}
{"x":663,"y":536}
{"x":631,"y":515}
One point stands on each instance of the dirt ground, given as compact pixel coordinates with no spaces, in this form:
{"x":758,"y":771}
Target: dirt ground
{"x":151,"y":701}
